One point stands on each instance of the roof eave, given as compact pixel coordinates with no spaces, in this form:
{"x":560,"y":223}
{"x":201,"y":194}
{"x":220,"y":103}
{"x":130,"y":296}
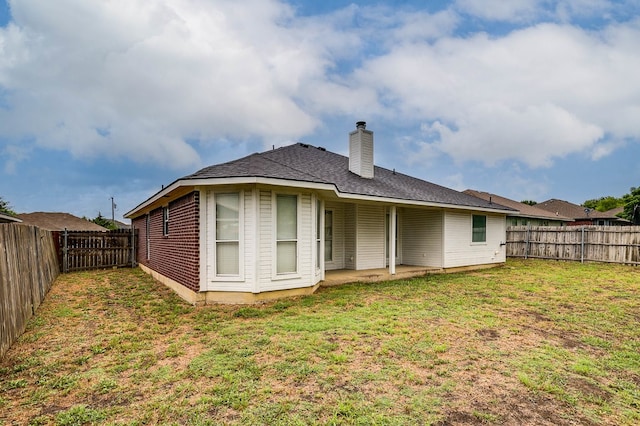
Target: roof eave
{"x":166,"y":193}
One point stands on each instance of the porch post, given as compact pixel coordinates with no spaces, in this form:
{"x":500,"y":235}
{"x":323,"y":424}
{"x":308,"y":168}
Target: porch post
{"x":392,"y":240}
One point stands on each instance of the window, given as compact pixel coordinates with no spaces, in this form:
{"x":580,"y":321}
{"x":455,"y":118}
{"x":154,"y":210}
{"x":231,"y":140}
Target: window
{"x":147,"y":232}
{"x":479,"y":233}
{"x":165,"y":221}
{"x":328,"y":236}
{"x":286,"y":234}
{"x":318,"y":233}
{"x":227,"y":234}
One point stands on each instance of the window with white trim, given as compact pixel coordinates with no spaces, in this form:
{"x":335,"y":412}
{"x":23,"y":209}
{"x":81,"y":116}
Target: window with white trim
{"x":318,"y":234}
{"x":328,"y":235}
{"x":286,"y":234}
{"x":165,"y":221}
{"x":479,"y":232}
{"x":147,"y":232}
{"x":227,"y":234}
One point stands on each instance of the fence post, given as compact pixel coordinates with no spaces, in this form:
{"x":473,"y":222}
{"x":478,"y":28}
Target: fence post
{"x":582,"y":246}
{"x":526,"y":245}
{"x":133,"y":246}
{"x":65,"y":253}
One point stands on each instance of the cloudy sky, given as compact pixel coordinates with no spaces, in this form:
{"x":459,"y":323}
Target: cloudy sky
{"x":529,"y":99}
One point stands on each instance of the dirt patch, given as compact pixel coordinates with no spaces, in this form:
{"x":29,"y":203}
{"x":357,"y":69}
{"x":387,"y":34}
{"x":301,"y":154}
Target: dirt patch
{"x":489,"y":333}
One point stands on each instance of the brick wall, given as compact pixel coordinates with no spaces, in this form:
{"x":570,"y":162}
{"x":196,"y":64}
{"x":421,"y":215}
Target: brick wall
{"x":175,"y":255}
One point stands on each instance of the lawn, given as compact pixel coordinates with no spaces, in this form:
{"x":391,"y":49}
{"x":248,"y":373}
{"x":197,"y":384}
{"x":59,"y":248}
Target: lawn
{"x":533,"y":342}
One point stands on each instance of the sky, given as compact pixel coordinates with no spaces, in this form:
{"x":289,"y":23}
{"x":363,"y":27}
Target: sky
{"x":528,"y":99}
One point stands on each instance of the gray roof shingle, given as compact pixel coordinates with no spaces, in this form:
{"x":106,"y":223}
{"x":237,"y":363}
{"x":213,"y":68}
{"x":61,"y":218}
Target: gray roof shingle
{"x":306,"y":163}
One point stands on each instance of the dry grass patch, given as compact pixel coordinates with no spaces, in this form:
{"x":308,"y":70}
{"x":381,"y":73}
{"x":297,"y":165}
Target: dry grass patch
{"x":539,"y":343}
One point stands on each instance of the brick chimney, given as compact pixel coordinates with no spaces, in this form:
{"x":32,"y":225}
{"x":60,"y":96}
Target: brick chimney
{"x":361,"y":151}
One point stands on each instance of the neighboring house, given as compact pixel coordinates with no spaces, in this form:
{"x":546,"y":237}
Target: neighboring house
{"x":5,"y":218}
{"x":582,"y":215}
{"x":525,"y":214}
{"x":120,"y":225}
{"x":271,"y":224}
{"x":54,"y":221}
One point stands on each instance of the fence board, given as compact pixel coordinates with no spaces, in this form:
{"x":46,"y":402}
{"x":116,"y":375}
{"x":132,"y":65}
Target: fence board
{"x":613,"y":244}
{"x":28,"y":267}
{"x":82,"y":250}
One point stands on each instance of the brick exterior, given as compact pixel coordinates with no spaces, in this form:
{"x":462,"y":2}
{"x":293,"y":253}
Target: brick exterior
{"x":176,"y":255}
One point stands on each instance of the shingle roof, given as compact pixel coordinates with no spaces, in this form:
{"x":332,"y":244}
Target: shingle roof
{"x":5,"y":218}
{"x":306,"y":163}
{"x":524,"y":210}
{"x":575,"y":211}
{"x":54,"y":221}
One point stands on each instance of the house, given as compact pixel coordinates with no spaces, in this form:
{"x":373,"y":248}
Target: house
{"x":581,"y":215}
{"x":273,"y":224}
{"x":5,"y":218}
{"x":526,"y":215}
{"x":54,"y":221}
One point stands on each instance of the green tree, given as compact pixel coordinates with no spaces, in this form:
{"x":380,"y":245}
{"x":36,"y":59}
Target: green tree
{"x":604,"y":204}
{"x":631,"y":205}
{"x":104,"y":222}
{"x":5,"y":208}
{"x":529,"y":202}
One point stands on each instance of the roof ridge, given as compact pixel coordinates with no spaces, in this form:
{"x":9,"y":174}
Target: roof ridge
{"x":306,"y":172}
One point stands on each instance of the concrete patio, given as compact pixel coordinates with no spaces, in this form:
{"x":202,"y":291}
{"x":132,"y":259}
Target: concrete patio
{"x":343,"y":276}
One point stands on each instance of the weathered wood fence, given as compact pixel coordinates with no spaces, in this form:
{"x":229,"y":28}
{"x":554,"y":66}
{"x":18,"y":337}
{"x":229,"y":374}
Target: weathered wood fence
{"x":614,"y":244}
{"x":28,"y":267}
{"x":82,"y":250}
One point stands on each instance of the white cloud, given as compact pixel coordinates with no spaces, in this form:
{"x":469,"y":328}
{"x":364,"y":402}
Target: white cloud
{"x":533,"y":95}
{"x":137,"y":78}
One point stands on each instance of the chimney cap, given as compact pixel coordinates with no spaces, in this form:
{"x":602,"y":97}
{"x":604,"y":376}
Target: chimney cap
{"x":361,"y":125}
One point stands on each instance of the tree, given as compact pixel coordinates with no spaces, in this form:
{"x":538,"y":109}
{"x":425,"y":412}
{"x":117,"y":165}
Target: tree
{"x":104,"y":222}
{"x":604,"y":204}
{"x":5,"y":208}
{"x":529,"y":202}
{"x":632,"y":206}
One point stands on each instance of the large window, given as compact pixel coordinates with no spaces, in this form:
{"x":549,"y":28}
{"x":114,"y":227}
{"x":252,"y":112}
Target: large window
{"x":479,"y":233}
{"x":227,"y":234}
{"x":328,"y":235}
{"x":286,"y":234}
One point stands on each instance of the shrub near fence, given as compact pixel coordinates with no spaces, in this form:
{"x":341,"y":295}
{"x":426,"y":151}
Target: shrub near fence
{"x":28,"y":267}
{"x":614,"y":244}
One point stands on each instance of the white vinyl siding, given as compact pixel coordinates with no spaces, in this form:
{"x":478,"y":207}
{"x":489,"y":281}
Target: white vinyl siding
{"x":422,"y":237}
{"x":370,"y":229}
{"x":458,"y":248}
{"x":350,"y":236}
{"x":337,"y":244}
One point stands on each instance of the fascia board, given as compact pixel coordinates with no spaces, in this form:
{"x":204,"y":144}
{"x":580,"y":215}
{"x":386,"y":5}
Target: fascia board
{"x":307,"y":185}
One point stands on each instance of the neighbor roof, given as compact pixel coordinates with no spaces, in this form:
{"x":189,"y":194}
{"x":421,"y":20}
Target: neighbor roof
{"x":524,"y":210}
{"x":5,"y":218}
{"x":577,"y":212}
{"x":54,"y":221}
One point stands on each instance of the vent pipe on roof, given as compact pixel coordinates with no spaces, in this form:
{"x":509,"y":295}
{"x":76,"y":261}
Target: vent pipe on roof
{"x":361,"y":151}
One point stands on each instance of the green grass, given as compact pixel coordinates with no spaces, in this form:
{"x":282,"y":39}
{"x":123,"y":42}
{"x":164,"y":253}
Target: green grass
{"x":533,"y":342}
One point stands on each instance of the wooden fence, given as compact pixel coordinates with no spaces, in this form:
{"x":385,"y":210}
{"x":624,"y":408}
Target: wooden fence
{"x":82,"y":250}
{"x":614,"y":244}
{"x":28,"y":267}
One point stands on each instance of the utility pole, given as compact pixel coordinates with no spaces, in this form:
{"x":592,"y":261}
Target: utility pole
{"x":113,"y":212}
